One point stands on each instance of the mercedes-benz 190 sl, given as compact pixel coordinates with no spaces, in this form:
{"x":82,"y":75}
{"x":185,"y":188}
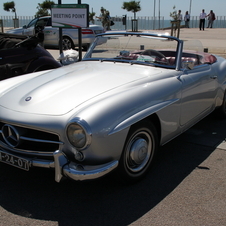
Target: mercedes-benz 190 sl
{"x":112,"y":110}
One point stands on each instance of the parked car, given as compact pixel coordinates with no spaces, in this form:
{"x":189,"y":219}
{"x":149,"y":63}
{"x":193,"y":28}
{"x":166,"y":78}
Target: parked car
{"x":51,"y":34}
{"x":20,"y":55}
{"x":112,"y":110}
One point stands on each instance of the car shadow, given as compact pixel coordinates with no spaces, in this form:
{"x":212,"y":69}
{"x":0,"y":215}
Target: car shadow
{"x":36,"y":195}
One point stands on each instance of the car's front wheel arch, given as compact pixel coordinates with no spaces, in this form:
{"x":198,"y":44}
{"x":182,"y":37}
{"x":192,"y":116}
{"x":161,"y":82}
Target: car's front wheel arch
{"x":156,"y":122}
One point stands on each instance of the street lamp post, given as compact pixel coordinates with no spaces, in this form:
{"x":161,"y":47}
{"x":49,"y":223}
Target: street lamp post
{"x":154,"y":17}
{"x":159,"y":14}
{"x":190,"y":7}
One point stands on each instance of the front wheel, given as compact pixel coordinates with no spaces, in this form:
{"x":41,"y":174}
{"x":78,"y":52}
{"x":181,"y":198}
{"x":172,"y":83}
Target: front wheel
{"x":139,"y":150}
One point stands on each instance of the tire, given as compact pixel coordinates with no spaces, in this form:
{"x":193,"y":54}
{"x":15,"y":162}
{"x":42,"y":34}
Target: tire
{"x":222,"y":109}
{"x":67,"y":43}
{"x":139,"y":151}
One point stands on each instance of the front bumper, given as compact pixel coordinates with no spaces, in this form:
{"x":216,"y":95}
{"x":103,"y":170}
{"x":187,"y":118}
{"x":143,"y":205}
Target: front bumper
{"x":64,"y":168}
{"x":77,"y":171}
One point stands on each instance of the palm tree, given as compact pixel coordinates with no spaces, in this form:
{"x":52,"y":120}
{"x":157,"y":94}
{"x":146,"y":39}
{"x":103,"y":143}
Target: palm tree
{"x":91,"y":17}
{"x":174,"y":13}
{"x":10,"y":5}
{"x":44,"y":8}
{"x":132,"y":6}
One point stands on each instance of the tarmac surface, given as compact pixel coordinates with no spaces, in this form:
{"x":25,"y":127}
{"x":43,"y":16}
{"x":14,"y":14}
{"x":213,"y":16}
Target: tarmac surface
{"x":186,"y":187}
{"x":212,"y":38}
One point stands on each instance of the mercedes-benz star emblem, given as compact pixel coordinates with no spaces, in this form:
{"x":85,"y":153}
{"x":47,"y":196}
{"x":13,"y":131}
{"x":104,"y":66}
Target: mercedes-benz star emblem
{"x":28,"y":99}
{"x":10,"y":135}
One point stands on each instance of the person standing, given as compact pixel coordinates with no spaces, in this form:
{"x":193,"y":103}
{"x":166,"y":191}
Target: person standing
{"x":179,"y":19}
{"x":179,"y":16}
{"x":108,"y":21}
{"x":187,"y":19}
{"x":211,"y":18}
{"x":102,"y":16}
{"x":202,"y":19}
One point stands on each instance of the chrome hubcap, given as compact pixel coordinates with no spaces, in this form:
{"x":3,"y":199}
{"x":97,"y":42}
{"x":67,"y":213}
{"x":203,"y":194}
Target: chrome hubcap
{"x":138,"y":152}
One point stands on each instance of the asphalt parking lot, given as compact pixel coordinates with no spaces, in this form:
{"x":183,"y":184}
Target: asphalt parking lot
{"x":187,"y":185}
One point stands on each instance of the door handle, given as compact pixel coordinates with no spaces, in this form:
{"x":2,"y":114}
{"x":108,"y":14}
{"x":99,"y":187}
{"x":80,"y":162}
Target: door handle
{"x":213,"y":77}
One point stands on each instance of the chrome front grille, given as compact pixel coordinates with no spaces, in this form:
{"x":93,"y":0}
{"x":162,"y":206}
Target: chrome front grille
{"x":28,"y":141}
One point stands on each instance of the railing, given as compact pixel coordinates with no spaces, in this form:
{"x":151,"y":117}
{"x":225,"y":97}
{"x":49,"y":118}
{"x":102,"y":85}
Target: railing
{"x":8,"y":21}
{"x":1,"y":26}
{"x":144,"y":23}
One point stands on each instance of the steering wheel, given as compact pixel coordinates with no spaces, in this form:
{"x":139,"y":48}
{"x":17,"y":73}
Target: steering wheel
{"x":160,"y":58}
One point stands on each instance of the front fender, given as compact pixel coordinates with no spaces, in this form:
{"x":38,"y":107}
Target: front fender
{"x":116,"y":111}
{"x":141,"y":115}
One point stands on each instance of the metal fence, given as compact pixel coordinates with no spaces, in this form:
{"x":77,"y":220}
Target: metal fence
{"x":152,"y":23}
{"x":144,"y":23}
{"x":8,"y":21}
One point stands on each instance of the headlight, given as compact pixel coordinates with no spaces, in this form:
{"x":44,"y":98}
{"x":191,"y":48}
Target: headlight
{"x":78,"y":136}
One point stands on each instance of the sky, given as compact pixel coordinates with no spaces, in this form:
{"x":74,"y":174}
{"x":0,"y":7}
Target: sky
{"x":28,"y":7}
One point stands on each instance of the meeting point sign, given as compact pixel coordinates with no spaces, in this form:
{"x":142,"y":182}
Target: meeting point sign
{"x":70,"y":15}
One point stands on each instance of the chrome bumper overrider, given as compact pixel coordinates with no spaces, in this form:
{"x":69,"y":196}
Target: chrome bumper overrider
{"x":64,"y":168}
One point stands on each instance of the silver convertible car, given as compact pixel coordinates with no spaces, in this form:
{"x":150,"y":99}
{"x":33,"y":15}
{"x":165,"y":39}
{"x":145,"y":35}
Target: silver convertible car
{"x":112,"y":110}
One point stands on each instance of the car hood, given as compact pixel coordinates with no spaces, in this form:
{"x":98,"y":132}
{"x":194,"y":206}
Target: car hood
{"x":59,"y":91}
{"x":18,"y":31}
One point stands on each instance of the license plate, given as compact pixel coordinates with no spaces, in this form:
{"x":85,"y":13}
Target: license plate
{"x":14,"y":161}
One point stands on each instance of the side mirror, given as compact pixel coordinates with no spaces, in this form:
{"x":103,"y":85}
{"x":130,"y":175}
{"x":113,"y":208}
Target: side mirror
{"x":25,"y":26}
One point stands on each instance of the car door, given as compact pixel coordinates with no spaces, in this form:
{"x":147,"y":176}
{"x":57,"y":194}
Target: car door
{"x":30,"y":28}
{"x":198,"y":93}
{"x":51,"y":34}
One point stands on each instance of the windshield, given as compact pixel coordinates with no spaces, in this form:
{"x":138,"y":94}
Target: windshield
{"x":32,"y":23}
{"x":134,"y":48}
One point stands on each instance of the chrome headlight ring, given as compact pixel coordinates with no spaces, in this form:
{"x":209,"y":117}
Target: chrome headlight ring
{"x":79,"y":134}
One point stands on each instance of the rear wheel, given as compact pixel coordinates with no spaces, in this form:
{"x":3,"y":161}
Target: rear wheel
{"x":222,"y":109}
{"x":67,"y":43}
{"x":139,"y":150}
